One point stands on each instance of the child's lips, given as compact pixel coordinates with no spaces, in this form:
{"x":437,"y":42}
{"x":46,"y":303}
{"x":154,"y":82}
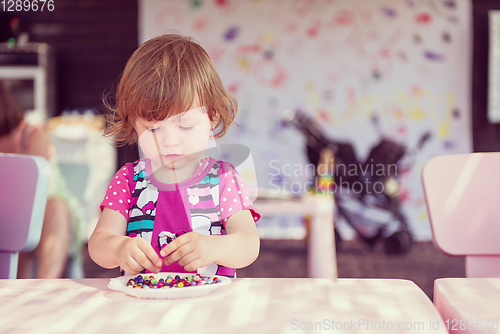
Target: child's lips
{"x":172,"y":157}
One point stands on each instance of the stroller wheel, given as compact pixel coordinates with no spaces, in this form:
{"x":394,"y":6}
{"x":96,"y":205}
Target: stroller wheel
{"x":398,"y":243}
{"x":338,"y":240}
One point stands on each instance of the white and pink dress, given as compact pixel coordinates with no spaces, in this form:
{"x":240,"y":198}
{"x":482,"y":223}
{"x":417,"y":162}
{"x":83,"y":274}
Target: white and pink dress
{"x":160,"y":212}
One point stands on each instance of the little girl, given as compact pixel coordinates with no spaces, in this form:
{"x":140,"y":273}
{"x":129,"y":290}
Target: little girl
{"x":176,"y":210}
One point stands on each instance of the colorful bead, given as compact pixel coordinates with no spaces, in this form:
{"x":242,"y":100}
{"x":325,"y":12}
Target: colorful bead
{"x":150,"y":282}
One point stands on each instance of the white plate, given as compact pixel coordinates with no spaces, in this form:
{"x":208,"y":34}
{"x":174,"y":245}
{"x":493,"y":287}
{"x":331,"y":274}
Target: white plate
{"x":120,"y":284}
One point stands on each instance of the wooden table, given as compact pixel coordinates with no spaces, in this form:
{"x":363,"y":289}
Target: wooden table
{"x":469,"y":305}
{"x":249,"y":305}
{"x":321,"y":257}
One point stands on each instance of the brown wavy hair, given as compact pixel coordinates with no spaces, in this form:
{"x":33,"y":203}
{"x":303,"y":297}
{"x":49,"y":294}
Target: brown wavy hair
{"x":161,"y":79}
{"x":10,"y":113}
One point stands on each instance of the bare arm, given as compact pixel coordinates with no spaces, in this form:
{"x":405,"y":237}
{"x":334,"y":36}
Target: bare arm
{"x":241,"y":246}
{"x":38,"y":143}
{"x":237,"y":249}
{"x":109,"y":247}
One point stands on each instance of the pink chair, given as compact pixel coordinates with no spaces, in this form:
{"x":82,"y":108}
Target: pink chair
{"x":23,"y":196}
{"x":462,"y":193}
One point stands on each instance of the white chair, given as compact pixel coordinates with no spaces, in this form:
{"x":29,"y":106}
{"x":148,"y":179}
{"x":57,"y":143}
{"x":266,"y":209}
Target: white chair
{"x":23,"y":197}
{"x":462,"y":193}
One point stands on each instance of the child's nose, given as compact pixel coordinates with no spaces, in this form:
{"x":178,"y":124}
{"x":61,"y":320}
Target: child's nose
{"x":169,"y":139}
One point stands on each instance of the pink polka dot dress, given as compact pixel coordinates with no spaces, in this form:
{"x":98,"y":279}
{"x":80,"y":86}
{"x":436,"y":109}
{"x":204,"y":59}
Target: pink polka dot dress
{"x":160,"y":212}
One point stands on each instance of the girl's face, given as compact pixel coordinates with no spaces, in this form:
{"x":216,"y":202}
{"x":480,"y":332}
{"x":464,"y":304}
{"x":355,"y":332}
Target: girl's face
{"x":177,"y":142}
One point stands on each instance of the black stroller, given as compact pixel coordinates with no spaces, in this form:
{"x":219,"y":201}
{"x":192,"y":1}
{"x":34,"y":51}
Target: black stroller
{"x":368,"y":198}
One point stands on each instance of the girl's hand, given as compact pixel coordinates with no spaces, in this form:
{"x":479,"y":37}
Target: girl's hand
{"x":192,"y":251}
{"x":136,"y":254}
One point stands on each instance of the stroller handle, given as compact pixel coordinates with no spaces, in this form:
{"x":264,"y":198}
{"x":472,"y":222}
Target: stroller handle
{"x":309,"y":128}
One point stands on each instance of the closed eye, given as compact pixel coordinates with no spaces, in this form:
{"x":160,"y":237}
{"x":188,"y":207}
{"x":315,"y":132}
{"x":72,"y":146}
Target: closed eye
{"x":185,"y":128}
{"x":153,"y":129}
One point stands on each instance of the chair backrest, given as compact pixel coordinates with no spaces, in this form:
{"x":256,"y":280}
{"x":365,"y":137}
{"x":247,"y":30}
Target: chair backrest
{"x":23,"y":197}
{"x":462,"y":193}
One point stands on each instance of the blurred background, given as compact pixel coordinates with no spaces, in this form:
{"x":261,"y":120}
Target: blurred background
{"x":380,"y":83}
